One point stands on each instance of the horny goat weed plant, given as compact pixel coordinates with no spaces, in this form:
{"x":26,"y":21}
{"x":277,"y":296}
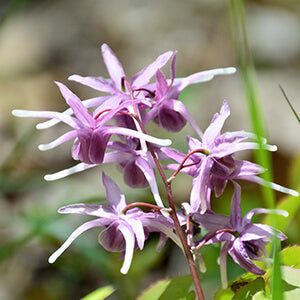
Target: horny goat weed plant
{"x":131,"y":103}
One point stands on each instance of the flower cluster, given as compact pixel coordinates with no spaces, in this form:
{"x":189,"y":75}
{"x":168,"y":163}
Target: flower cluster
{"x":129,"y":105}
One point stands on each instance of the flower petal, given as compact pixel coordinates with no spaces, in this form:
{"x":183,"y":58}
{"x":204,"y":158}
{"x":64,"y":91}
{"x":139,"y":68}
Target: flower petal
{"x":198,"y":198}
{"x":97,"y":83}
{"x":144,"y":76}
{"x":235,"y":210}
{"x":113,"y":194}
{"x":65,"y":137}
{"x":47,"y":114}
{"x":214,"y":129}
{"x":84,"y":227}
{"x":150,"y":176}
{"x":80,"y":111}
{"x":240,"y":255}
{"x":196,"y":78}
{"x":130,"y":243}
{"x":138,"y":229}
{"x":113,"y":66}
{"x":272,"y":185}
{"x":102,"y":211}
{"x":66,"y":172}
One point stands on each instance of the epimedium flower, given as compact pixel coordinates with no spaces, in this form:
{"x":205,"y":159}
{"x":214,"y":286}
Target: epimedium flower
{"x":115,"y":86}
{"x":90,"y":132}
{"x":167,"y":111}
{"x":243,"y":240}
{"x":124,"y":232}
{"x":211,"y":164}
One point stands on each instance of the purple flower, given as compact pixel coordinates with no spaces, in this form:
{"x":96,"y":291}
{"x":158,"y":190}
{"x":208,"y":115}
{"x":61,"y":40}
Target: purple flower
{"x":115,"y":85}
{"x":247,"y":241}
{"x":211,"y":164}
{"x":123,"y":232}
{"x":167,"y":110}
{"x":90,"y":133}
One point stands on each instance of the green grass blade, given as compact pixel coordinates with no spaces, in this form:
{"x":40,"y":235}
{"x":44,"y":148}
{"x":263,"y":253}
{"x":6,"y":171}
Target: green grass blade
{"x":237,"y":18}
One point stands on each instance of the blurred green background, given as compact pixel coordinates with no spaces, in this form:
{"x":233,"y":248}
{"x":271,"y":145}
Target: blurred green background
{"x":43,"y":41}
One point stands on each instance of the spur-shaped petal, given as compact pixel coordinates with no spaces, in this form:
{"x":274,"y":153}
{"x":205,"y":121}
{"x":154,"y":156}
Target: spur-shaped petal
{"x":139,"y":135}
{"x":197,"y":78}
{"x":249,"y":215}
{"x":64,"y":138}
{"x":66,"y":172}
{"x":84,"y":227}
{"x":138,"y":229}
{"x":272,"y":185}
{"x":150,"y":177}
{"x":130,"y":244}
{"x":60,"y":117}
{"x":101,"y":211}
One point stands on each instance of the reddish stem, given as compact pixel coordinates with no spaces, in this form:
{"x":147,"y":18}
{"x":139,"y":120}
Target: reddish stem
{"x":181,"y":166}
{"x":213,"y":234}
{"x":134,"y":204}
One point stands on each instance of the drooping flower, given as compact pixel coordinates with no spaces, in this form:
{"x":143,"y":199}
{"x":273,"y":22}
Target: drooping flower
{"x":90,"y":132}
{"x":243,"y":241}
{"x":124,"y":232}
{"x":167,"y":110}
{"x":210,"y":161}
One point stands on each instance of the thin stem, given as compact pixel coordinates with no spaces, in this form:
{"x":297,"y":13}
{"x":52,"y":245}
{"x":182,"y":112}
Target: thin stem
{"x":213,"y":234}
{"x":134,"y":204}
{"x":173,"y":214}
{"x":181,"y":166}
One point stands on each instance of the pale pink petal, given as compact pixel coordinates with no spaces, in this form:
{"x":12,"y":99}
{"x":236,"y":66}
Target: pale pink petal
{"x":113,"y":66}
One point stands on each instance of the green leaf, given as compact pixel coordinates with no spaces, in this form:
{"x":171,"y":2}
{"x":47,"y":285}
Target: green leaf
{"x":235,"y":285}
{"x":292,"y":294}
{"x":290,"y":256}
{"x":174,"y":288}
{"x":100,"y":294}
{"x":289,"y":203}
{"x":260,"y":296}
{"x":248,"y":290}
{"x":291,"y":275}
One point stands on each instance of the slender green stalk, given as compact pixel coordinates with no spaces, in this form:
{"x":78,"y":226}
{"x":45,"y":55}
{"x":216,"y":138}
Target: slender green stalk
{"x":289,"y":103}
{"x":237,"y":19}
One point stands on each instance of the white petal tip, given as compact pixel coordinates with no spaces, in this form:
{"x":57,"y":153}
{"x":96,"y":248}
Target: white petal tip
{"x":49,"y":177}
{"x":20,"y":113}
{"x":124,"y":271}
{"x":167,"y":142}
{"x":230,"y":70}
{"x":52,"y":259}
{"x":165,"y":212}
{"x":42,"y":147}
{"x":285,"y":213}
{"x":272,"y":148}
